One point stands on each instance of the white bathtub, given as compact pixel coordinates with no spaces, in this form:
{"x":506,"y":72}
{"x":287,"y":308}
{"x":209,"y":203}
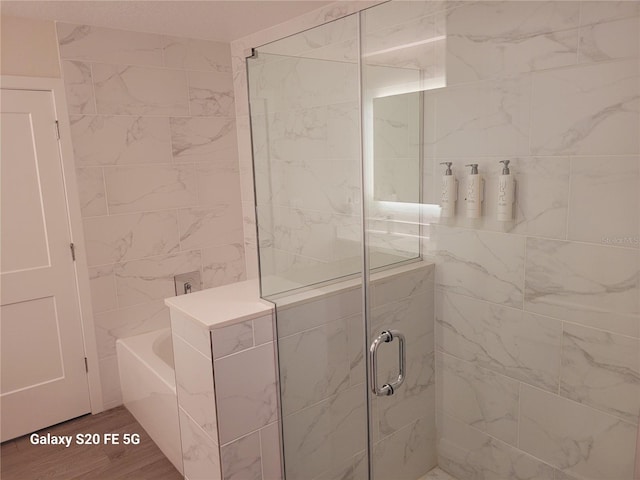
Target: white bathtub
{"x":149,"y":388}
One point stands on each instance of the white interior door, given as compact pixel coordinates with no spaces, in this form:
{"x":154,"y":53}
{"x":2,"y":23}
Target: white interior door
{"x":43,"y":378}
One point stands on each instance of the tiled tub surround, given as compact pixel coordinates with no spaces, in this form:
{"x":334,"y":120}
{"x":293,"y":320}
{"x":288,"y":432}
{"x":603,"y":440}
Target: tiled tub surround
{"x":226,"y":381}
{"x":226,"y":377}
{"x":154,"y":138}
{"x":537,"y":320}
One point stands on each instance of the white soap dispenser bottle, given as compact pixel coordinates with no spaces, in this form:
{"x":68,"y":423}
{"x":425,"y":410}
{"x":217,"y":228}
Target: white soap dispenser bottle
{"x":449,"y":193}
{"x":474,"y":192}
{"x":506,"y":193}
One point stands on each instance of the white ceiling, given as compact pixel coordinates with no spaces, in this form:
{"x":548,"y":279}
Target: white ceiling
{"x":206,"y":19}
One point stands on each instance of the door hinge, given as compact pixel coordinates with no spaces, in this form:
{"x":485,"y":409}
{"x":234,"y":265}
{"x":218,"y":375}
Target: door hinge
{"x":57,"y":130}
{"x":73,"y":251}
{"x":86,"y":365}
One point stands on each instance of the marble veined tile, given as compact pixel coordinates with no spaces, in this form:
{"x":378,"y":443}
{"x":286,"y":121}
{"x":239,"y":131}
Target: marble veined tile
{"x":241,"y":459}
{"x":607,"y":40}
{"x":78,"y":87}
{"x":131,"y":90}
{"x":407,"y":454}
{"x":222,"y":265}
{"x":232,"y":339}
{"x":437,"y":474}
{"x":144,"y":188}
{"x":140,"y":281}
{"x":119,"y":238}
{"x":91,"y":191}
{"x":575,"y":438}
{"x":591,"y":285}
{"x":211,"y":94}
{"x":478,"y":397}
{"x":501,"y":38}
{"x":467,"y":453}
{"x":208,"y":226}
{"x":246,"y":392}
{"x":486,"y":118}
{"x":193,"y":54}
{"x":126,"y":322}
{"x":518,"y":344}
{"x":326,"y":434}
{"x":589,"y":109}
{"x":120,"y":140}
{"x":484,"y":265}
{"x":108,"y":45}
{"x":102,"y":282}
{"x":194,"y":383}
{"x":314,"y":365}
{"x":602,"y":370}
{"x":200,"y":455}
{"x":204,"y":139}
{"x":217,"y":184}
{"x":606,"y":188}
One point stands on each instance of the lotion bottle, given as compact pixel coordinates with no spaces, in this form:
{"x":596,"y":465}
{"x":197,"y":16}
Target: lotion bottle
{"x":474,"y":192}
{"x":506,"y":193}
{"x":449,"y":193}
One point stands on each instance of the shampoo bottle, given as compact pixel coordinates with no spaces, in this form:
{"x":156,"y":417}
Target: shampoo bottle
{"x":506,"y":194}
{"x":449,"y":193}
{"x":474,"y":192}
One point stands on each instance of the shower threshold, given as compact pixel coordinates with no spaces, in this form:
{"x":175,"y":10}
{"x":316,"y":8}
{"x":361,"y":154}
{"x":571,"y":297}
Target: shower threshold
{"x":437,"y":474}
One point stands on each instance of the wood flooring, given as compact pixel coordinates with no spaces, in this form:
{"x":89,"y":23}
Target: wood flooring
{"x":20,"y":460}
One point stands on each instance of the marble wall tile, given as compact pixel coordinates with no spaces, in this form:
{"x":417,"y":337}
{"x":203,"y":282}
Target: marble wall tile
{"x":91,"y":191}
{"x":602,"y":292}
{"x":78,"y":87}
{"x":270,"y":452}
{"x":466,"y":452}
{"x":605,"y":188}
{"x":608,"y":30}
{"x":575,"y":438}
{"x":355,"y":341}
{"x":483,"y":265}
{"x":354,"y":468}
{"x":396,"y":287}
{"x":97,"y":44}
{"x":119,"y":238}
{"x":492,"y":39}
{"x":133,"y":90}
{"x":602,"y":370}
{"x":518,"y":344}
{"x":140,"y":281}
{"x":263,"y":329}
{"x":326,"y":434}
{"x":494,"y":120}
{"x":200,"y":455}
{"x":191,"y":332}
{"x":194,"y":383}
{"x":211,"y":93}
{"x":103,"y":288}
{"x":587,"y":109}
{"x":217,"y":185}
{"x":126,"y":322}
{"x":120,"y":140}
{"x":314,"y":365}
{"x":305,"y":316}
{"x":241,"y":459}
{"x":193,"y":54}
{"x":136,"y":189}
{"x":407,"y":454}
{"x":232,"y":339}
{"x":478,"y":397}
{"x":204,"y":139}
{"x":222,"y":265}
{"x":110,"y":381}
{"x":202,"y":227}
{"x":246,"y":386}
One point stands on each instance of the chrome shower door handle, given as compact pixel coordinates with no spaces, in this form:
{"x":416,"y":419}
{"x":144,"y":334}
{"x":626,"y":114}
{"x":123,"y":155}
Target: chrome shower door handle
{"x":388,"y":388}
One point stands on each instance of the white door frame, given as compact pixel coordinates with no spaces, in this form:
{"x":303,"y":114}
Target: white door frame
{"x":56,"y":87}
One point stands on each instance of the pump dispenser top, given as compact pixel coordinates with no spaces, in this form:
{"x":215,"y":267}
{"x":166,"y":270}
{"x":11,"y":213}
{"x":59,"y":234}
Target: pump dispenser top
{"x":474,"y":168}
{"x":505,"y":169}
{"x":448,"y":164}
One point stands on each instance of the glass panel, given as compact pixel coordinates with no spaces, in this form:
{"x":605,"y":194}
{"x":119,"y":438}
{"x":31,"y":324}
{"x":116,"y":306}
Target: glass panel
{"x":304,"y":93}
{"x":402,"y":52}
